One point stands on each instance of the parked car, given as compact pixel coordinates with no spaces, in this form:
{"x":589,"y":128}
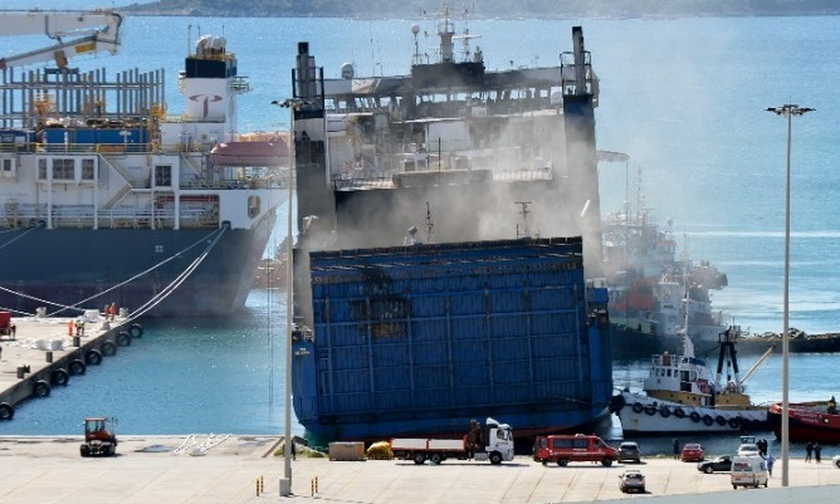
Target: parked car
{"x":692,"y":452}
{"x":722,"y":463}
{"x":836,"y":461}
{"x":629,"y":451}
{"x":748,"y":450}
{"x":631,"y":480}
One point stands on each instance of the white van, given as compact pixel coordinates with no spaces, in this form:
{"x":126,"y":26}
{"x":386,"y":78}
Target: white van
{"x":749,"y":471}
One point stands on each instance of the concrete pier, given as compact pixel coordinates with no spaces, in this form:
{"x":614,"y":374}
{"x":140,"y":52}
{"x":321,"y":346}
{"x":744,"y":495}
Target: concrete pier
{"x":243,"y":469}
{"x":46,"y":352}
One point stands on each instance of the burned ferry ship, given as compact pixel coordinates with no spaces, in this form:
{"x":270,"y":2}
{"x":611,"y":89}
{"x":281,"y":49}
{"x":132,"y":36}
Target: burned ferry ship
{"x":445,"y":220}
{"x":109,"y":199}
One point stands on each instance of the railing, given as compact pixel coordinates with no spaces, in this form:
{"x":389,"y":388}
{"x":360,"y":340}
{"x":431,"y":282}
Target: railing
{"x":82,"y":216}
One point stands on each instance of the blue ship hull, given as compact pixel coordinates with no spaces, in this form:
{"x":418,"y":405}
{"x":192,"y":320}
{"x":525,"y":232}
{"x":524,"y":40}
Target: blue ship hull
{"x":80,"y":268}
{"x":422,"y":339}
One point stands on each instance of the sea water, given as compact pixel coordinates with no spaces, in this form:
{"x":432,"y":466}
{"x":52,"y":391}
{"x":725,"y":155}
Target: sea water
{"x":684,"y":98}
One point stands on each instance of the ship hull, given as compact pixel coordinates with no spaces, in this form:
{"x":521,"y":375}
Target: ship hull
{"x":420,"y":340}
{"x":81,"y":267}
{"x":643,"y":416}
{"x":806,"y":423}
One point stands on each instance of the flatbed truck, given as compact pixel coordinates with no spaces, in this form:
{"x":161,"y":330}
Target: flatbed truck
{"x":493,"y":442}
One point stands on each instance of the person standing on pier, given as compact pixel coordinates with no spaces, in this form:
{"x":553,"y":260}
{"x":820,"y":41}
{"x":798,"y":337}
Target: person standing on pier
{"x":808,"y":449}
{"x":817,"y":451}
{"x":676,"y":448}
{"x":770,"y":461}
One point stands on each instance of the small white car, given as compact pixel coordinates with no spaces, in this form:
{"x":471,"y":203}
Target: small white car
{"x":748,"y":450}
{"x":836,"y":461}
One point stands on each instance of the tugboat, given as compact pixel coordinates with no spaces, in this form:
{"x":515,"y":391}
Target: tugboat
{"x":681,"y":397}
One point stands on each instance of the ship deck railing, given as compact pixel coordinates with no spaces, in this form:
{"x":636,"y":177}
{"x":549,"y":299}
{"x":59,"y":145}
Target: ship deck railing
{"x":82,"y":216}
{"x":105,"y":148}
{"x":386,"y":181}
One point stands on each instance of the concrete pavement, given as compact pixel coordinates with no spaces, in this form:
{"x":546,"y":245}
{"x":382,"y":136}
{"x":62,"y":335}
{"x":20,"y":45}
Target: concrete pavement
{"x":152,"y":469}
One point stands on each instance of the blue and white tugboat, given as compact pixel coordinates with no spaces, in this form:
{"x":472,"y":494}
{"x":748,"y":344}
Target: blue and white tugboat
{"x":680,"y":395}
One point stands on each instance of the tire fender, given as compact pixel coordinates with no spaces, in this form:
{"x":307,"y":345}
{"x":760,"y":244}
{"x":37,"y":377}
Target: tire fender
{"x":123,"y":338}
{"x":109,"y":348}
{"x":41,"y":389}
{"x":7,"y":411}
{"x":60,"y":377}
{"x":77,"y":367}
{"x":135,"y":330}
{"x":93,"y":357}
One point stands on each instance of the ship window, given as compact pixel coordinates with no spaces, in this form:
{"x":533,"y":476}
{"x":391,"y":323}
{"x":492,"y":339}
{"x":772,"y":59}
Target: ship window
{"x":63,"y":169}
{"x":87,"y":169}
{"x":163,"y":175}
{"x":8,"y":167}
{"x":253,"y":206}
{"x":42,"y":169}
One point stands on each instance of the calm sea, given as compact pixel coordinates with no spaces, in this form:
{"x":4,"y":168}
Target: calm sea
{"x":685,"y":98}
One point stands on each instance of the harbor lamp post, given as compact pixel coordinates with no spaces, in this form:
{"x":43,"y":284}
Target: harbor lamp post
{"x":286,"y":483}
{"x":787,"y":111}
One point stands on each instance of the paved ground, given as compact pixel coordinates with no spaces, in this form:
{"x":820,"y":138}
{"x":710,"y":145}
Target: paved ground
{"x":150,"y":469}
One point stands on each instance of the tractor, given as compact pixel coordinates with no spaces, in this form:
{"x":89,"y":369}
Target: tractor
{"x":100,"y":437}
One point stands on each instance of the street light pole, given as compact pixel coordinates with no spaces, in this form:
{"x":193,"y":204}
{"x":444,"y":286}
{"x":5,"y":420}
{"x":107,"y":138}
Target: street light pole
{"x":286,"y":483}
{"x":787,"y":111}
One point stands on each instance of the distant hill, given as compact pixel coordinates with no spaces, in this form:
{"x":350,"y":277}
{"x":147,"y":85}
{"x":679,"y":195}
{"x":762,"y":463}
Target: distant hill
{"x":505,"y":9}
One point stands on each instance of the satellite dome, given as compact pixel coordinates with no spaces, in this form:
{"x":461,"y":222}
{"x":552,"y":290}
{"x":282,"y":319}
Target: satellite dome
{"x":415,"y":29}
{"x":347,"y":71}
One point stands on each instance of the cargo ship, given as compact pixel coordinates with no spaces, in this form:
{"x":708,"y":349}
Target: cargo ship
{"x":109,"y":199}
{"x":449,"y":220}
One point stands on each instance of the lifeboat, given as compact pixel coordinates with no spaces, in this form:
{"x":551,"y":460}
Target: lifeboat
{"x":272,"y":153}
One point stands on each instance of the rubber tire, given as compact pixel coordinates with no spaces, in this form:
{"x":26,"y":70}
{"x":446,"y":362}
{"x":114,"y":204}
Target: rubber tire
{"x":650,"y":409}
{"x":135,"y":330}
{"x":7,"y":411}
{"x":41,"y":389}
{"x":93,"y":357}
{"x":708,"y":469}
{"x":694,"y":416}
{"x":735,"y":423}
{"x":435,"y":458}
{"x":606,"y":462}
{"x":495,"y":458}
{"x":60,"y":377}
{"x":637,"y":407}
{"x":708,"y":420}
{"x":77,"y":367}
{"x":108,"y":349}
{"x":720,"y":420}
{"x":123,"y":339}
{"x":664,"y":411}
{"x":563,"y":462}
{"x":419,"y":458}
{"x":679,"y":413}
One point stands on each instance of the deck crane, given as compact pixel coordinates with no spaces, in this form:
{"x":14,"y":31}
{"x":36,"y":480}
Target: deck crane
{"x":76,"y":32}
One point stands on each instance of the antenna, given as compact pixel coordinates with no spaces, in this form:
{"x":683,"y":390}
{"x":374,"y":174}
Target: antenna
{"x":429,"y":224}
{"x":526,"y":231}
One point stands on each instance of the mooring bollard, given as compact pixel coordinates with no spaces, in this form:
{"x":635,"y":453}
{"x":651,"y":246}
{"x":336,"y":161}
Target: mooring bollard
{"x":77,"y":341}
{"x":20,"y":372}
{"x":49,"y":356}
